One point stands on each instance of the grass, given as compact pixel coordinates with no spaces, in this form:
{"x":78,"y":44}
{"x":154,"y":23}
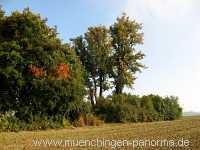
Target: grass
{"x":187,"y":128}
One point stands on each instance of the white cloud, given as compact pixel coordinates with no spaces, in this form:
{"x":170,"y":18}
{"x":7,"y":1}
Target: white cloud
{"x":160,"y":8}
{"x":171,"y":29}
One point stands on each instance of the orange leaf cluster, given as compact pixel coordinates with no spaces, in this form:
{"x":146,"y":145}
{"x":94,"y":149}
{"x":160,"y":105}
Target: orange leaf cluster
{"x":36,"y":71}
{"x":61,"y":72}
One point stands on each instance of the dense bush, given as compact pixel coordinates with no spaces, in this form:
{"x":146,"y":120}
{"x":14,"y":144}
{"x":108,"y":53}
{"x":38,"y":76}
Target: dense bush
{"x":40,"y":77}
{"x":9,"y":122}
{"x":128,"y":108}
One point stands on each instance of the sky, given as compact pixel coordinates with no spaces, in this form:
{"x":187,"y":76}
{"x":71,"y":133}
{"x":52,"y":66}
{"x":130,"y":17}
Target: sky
{"x":171,"y":38}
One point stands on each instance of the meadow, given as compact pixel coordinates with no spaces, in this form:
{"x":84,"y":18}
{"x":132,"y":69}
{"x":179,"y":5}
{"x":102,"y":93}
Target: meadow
{"x":187,"y":128}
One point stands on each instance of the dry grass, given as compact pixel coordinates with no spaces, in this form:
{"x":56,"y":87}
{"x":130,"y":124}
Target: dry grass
{"x":187,"y":128}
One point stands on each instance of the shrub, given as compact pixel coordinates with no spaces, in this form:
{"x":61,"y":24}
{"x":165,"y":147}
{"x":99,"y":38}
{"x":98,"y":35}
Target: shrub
{"x":78,"y":109}
{"x":172,"y":110}
{"x":66,"y":123}
{"x":92,"y":120}
{"x":131,"y":108}
{"x":88,"y":120}
{"x":106,"y":110}
{"x":9,"y":122}
{"x":128,"y":113}
{"x":80,"y":122}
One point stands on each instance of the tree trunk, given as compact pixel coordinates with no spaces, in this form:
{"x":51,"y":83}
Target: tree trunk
{"x":95,"y":89}
{"x":101,"y":84}
{"x":118,"y":87}
{"x":91,"y":93}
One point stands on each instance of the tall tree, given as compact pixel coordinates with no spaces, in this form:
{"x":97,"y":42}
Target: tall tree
{"x":38,"y":74}
{"x":125,"y":35}
{"x":79,"y":45}
{"x":99,"y":46}
{"x":94,"y":50}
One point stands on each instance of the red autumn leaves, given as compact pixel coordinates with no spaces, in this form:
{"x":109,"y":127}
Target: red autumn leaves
{"x":36,"y":72}
{"x":61,"y":72}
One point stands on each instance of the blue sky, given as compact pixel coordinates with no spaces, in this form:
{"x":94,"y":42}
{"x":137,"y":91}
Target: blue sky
{"x":171,"y":32}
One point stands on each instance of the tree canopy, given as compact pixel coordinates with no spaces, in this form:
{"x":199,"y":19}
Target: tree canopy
{"x":39,"y":75}
{"x":109,"y":54}
{"x":125,"y":35}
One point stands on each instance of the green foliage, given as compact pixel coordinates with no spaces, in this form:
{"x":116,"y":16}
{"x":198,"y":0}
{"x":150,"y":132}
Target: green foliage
{"x":100,"y":47}
{"x":172,"y":109}
{"x":125,"y":35}
{"x":9,"y":122}
{"x":25,"y":39}
{"x":94,"y":50}
{"x":128,"y":108}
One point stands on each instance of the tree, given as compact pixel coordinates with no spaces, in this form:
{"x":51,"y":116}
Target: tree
{"x":126,"y":60}
{"x":39,"y":75}
{"x":79,"y":45}
{"x":94,"y":50}
{"x":99,"y":46}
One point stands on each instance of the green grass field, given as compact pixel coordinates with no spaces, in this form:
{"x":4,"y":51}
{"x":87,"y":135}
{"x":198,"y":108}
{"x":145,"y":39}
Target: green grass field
{"x":187,"y":128}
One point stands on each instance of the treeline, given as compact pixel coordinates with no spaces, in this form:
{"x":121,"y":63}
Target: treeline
{"x":46,"y":83}
{"x":132,"y":108}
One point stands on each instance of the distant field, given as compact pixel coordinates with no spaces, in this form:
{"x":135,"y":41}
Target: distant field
{"x":187,"y":128}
